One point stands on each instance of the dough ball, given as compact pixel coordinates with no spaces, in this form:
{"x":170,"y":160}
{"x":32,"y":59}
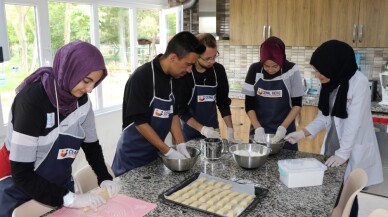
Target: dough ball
{"x":212,"y":182}
{"x":201,"y":180}
{"x":195,"y":184}
{"x":219,"y":184}
{"x":195,"y":204}
{"x":227,"y":186}
{"x":231,"y":213}
{"x":204,"y":206}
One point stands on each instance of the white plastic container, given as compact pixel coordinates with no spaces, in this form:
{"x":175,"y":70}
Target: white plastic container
{"x":301,"y":172}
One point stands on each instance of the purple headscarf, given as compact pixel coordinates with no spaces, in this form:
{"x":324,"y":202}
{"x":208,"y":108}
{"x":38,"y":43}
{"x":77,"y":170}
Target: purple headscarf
{"x":72,"y":63}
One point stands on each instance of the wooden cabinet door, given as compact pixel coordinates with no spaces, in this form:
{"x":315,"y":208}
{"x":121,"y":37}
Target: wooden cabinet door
{"x":333,"y":19}
{"x":240,"y":121}
{"x":373,"y":23}
{"x":290,"y":21}
{"x":247,"y":21}
{"x":308,"y":114}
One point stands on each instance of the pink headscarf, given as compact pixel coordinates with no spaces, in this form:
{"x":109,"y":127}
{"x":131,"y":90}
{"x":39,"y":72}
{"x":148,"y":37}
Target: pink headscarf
{"x":273,"y":49}
{"x":72,"y":63}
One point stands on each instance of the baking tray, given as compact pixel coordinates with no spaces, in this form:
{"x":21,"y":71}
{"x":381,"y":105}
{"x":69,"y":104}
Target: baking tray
{"x":259,"y":192}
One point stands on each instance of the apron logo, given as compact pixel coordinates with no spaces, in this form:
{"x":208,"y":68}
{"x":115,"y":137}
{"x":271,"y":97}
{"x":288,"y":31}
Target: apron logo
{"x":50,"y":120}
{"x":161,"y":113}
{"x":206,"y":98}
{"x":67,"y":153}
{"x":269,"y":93}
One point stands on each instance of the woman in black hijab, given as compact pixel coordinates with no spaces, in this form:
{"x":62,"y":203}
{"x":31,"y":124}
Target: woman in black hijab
{"x":345,"y":112}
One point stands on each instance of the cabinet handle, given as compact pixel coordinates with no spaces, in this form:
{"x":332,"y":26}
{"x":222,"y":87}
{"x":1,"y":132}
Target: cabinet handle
{"x":264,"y":27}
{"x":236,"y":107}
{"x":354,"y":33}
{"x":360,"y":33}
{"x":269,"y":32}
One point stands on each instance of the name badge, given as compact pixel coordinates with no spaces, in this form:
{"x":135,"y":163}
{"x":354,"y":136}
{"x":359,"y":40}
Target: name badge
{"x":50,"y":120}
{"x":67,"y":153}
{"x":206,"y":98}
{"x":159,"y":113}
{"x":270,"y":93}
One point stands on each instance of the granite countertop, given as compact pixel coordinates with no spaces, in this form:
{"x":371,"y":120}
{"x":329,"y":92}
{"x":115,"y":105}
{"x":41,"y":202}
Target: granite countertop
{"x":148,"y":182}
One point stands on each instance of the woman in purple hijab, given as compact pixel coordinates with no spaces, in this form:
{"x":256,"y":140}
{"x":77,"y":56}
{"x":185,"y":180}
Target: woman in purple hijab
{"x":50,"y":120}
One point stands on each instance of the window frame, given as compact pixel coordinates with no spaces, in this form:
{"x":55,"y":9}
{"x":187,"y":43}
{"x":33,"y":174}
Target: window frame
{"x":44,"y":36}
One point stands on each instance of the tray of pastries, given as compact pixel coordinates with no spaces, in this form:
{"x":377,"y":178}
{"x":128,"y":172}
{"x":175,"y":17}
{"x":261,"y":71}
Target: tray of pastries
{"x":214,"y":196}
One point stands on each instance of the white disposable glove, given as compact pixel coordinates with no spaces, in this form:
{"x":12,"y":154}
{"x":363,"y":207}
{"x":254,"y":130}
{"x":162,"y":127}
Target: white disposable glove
{"x":259,"y":135}
{"x":280,"y":134}
{"x":209,"y":132}
{"x":111,"y":187}
{"x":183,"y":150}
{"x":173,"y":154}
{"x":91,"y":200}
{"x":334,"y":161}
{"x":231,"y":139}
{"x":294,"y":137}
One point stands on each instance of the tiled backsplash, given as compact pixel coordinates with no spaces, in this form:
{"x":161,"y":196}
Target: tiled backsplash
{"x":237,"y":59}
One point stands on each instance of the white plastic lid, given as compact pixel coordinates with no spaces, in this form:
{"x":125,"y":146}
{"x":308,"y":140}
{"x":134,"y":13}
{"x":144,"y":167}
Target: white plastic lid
{"x":301,"y":165}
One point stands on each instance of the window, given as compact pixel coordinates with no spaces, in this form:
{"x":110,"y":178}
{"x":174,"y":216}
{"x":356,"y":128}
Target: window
{"x":69,"y":22}
{"x":126,"y":36}
{"x":24,"y":58}
{"x":147,"y":34}
{"x":114,"y":35}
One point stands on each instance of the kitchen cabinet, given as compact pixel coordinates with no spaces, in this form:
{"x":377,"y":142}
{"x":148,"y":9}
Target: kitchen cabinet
{"x":360,"y":23}
{"x":241,"y":122}
{"x":308,"y":114}
{"x":252,"y":21}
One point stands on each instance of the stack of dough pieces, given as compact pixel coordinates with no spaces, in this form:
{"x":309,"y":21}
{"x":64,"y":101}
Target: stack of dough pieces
{"x":213,"y":196}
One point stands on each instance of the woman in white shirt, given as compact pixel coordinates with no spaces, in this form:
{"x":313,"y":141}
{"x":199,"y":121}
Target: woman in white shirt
{"x":344,"y":111}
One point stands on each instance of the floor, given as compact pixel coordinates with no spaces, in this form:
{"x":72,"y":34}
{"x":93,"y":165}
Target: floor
{"x":368,"y":203}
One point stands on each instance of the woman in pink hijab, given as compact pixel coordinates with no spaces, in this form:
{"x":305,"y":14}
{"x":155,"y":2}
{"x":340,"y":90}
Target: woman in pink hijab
{"x":273,"y":93}
{"x":50,"y":120}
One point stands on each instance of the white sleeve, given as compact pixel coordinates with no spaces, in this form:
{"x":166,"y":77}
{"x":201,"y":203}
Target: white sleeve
{"x":297,"y":88}
{"x":89,"y":125}
{"x":315,"y":126}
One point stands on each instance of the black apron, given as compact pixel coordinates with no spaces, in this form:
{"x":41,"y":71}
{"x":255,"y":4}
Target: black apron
{"x":203,"y":108}
{"x":272,"y":105}
{"x":133,"y":150}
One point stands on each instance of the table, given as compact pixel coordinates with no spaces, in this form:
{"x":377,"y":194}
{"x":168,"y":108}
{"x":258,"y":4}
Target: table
{"x":149,"y":181}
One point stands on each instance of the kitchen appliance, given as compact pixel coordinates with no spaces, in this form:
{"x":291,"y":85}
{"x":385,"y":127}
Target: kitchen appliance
{"x":384,"y":86}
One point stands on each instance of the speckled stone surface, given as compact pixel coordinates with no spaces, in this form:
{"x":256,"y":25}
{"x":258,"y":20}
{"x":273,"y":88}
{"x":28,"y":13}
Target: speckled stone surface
{"x":148,"y":182}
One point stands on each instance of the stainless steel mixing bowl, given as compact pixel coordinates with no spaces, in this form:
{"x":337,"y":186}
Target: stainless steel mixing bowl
{"x":249,"y":155}
{"x":179,"y":165}
{"x":275,"y":147}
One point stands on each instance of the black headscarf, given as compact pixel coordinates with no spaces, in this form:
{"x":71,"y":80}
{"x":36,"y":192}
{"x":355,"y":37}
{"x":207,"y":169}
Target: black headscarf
{"x":335,"y":60}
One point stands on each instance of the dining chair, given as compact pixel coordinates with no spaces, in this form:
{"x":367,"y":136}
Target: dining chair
{"x":356,"y":181}
{"x":31,"y":208}
{"x":379,"y":213}
{"x":85,"y":179}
